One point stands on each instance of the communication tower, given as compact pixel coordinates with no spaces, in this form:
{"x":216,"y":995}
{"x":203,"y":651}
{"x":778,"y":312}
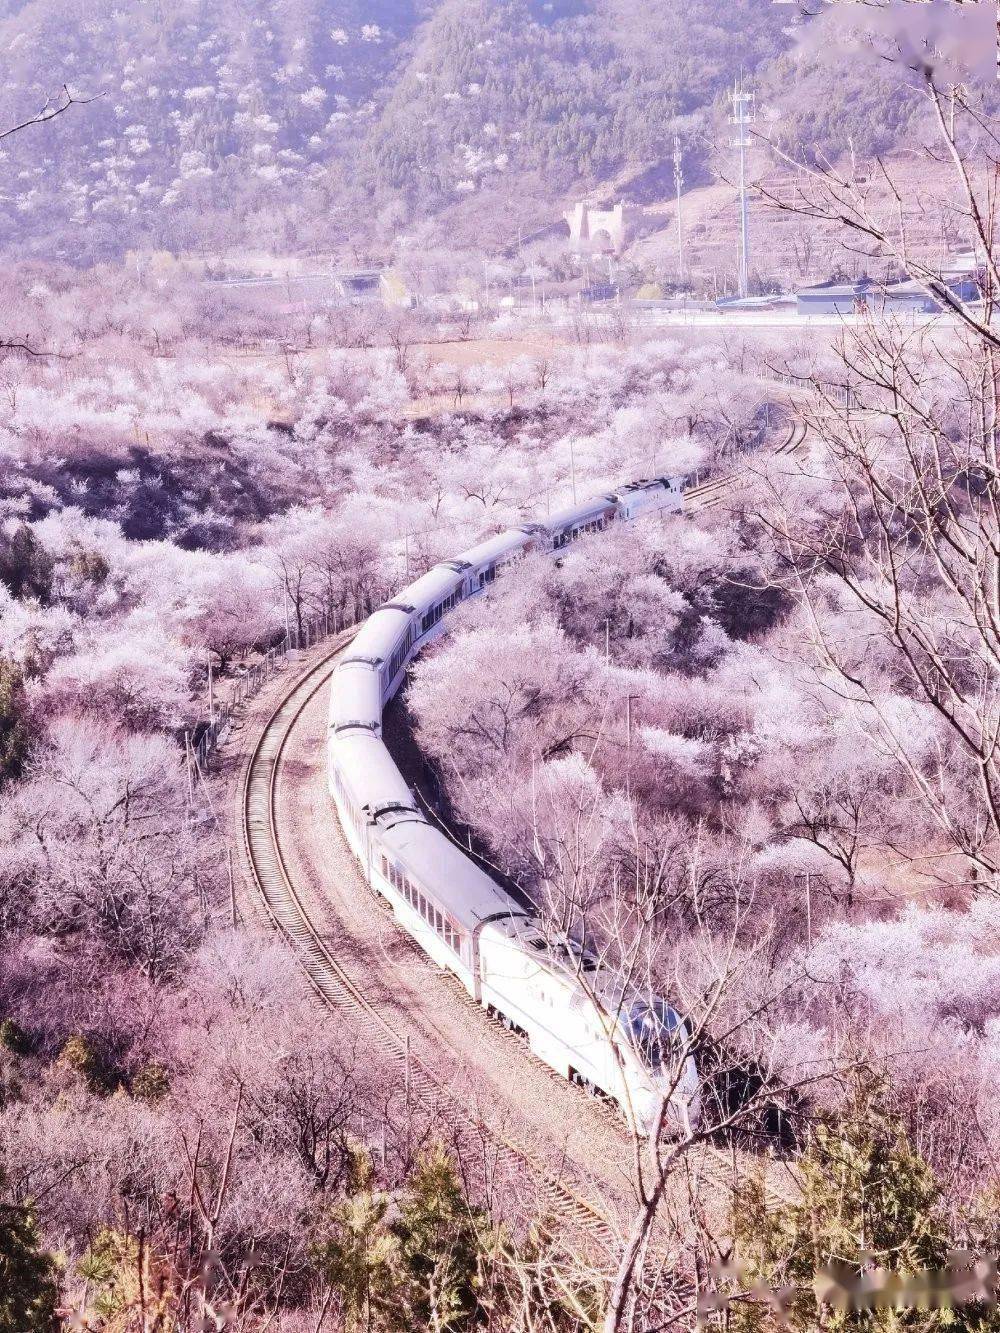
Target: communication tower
{"x":744,"y":113}
{"x":679,"y":184}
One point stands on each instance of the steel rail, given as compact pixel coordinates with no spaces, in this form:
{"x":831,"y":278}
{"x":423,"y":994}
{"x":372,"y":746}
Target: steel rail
{"x":328,"y":978}
{"x":333,"y":984}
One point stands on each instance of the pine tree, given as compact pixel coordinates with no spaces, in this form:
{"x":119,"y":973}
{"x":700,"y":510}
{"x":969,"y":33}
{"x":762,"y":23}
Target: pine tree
{"x":869,"y":1200}
{"x":440,"y":1238}
{"x":28,"y":1289}
{"x":406,"y":1263}
{"x":15,"y":735}
{"x":25,"y":565}
{"x":360,"y":1256}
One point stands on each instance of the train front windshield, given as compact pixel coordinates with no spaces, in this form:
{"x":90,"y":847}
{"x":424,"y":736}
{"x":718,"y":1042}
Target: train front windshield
{"x":655,"y":1031}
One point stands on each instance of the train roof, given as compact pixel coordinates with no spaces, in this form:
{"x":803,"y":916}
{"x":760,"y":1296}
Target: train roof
{"x":370,"y":774}
{"x":431,"y":587}
{"x":355,"y":695}
{"x":492,"y":548}
{"x":380,"y":633}
{"x":451,"y":878}
{"x":579,"y":513}
{"x":648,"y":484}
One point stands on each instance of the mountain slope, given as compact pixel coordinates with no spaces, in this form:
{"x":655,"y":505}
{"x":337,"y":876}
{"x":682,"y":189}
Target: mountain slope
{"x":204,"y":111}
{"x":294,"y":124}
{"x":578,"y":92}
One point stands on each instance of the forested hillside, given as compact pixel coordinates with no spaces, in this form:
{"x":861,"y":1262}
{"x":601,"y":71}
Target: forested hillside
{"x":210,"y":120}
{"x":280,"y":121}
{"x":581,"y":92}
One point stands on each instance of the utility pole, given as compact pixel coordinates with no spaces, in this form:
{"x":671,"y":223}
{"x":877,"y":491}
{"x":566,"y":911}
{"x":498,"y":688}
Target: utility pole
{"x":628,"y":719}
{"x":743,"y":114}
{"x":679,"y":184}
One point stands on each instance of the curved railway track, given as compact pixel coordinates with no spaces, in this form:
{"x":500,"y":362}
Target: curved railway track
{"x":333,"y":984}
{"x":331,"y":981}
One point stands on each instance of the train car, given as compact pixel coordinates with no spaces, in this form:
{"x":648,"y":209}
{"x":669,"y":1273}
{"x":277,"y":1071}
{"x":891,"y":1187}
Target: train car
{"x":429,"y":600}
{"x":552,"y":992}
{"x":572,"y":1012}
{"x":645,"y":497}
{"x":385,"y":644}
{"x":356,"y":696}
{"x":367,"y":788}
{"x":440,"y":896}
{"x":484,"y":561}
{"x":593,"y":515}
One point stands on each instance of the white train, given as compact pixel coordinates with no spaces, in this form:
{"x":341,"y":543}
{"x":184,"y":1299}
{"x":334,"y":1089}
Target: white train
{"x":575,"y":1013}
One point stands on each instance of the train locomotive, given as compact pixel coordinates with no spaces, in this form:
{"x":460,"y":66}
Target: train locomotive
{"x":576,"y":1015}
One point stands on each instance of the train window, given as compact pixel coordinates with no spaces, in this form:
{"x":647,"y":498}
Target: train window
{"x":385,"y":868}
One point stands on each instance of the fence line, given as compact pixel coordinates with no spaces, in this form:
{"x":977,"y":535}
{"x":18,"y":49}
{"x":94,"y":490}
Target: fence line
{"x":207,"y":737}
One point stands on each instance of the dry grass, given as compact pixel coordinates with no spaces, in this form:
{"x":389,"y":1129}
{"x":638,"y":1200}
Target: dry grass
{"x":798,"y":250}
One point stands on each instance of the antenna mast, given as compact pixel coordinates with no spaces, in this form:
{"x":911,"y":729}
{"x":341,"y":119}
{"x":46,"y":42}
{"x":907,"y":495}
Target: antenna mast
{"x":679,"y":183}
{"x":743,"y":115}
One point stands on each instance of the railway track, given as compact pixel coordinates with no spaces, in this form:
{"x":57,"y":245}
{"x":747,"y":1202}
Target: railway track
{"x":276,"y":888}
{"x":711,"y":494}
{"x":333,"y":984}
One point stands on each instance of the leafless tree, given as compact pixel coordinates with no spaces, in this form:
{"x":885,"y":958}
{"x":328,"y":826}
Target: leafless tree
{"x":895,"y":515}
{"x":51,"y":108}
{"x":733,"y":1004}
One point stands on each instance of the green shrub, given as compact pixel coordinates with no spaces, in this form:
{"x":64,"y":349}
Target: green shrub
{"x":28,"y":1292}
{"x":13,"y":1037}
{"x":79,"y":1056}
{"x":151,"y":1083}
{"x":15,"y":731}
